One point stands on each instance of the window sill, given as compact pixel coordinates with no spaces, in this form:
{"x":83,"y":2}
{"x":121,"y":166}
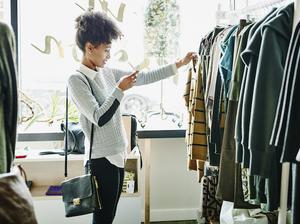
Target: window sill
{"x":59,"y":136}
{"x":176,"y":133}
{"x":47,"y":136}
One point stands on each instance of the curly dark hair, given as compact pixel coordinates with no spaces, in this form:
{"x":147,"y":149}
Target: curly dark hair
{"x":96,"y":28}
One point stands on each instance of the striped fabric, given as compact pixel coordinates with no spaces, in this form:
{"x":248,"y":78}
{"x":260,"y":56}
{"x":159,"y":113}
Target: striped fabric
{"x":189,"y":89}
{"x":196,"y":135}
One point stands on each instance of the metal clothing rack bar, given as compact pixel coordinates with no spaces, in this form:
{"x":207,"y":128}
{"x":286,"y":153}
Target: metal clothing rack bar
{"x":248,"y":10}
{"x":260,"y":5}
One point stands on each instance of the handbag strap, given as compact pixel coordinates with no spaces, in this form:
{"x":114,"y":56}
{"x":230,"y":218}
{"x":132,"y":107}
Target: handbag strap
{"x":66,"y":138}
{"x":66,"y":134}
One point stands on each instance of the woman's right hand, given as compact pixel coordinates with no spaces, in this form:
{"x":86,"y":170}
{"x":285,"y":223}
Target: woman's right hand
{"x":127,"y":81}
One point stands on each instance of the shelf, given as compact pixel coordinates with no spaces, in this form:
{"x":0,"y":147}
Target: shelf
{"x":34,"y":156}
{"x":39,"y":193}
{"x":137,"y":194}
{"x":36,"y":166}
{"x":176,"y":133}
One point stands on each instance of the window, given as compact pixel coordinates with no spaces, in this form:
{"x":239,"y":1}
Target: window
{"x":48,"y":56}
{"x":5,"y":11}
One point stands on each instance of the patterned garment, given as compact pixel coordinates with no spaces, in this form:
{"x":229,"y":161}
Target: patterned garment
{"x":196,"y":133}
{"x":211,"y":207}
{"x":245,"y":184}
{"x":189,"y":89}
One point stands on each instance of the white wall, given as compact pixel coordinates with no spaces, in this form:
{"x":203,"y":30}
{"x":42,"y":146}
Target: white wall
{"x":174,"y":191}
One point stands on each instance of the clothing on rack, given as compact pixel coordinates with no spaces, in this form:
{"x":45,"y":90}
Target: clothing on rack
{"x":210,"y":206}
{"x":286,"y":128}
{"x":9,"y":97}
{"x":250,"y":83}
{"x":16,"y":201}
{"x":249,"y":57}
{"x":196,"y":134}
{"x":275,"y":36}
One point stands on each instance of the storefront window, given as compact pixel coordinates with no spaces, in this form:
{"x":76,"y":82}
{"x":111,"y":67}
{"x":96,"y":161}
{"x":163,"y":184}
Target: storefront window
{"x":5,"y":11}
{"x":48,"y":56}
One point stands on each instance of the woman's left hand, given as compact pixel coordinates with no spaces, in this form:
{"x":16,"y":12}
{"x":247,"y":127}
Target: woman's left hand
{"x":184,"y":61}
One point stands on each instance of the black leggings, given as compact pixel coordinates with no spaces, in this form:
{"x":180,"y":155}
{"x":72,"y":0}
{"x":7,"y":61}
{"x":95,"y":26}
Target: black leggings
{"x":110,"y":180}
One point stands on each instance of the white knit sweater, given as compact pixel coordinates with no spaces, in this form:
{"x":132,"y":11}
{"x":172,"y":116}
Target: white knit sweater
{"x":110,"y":138}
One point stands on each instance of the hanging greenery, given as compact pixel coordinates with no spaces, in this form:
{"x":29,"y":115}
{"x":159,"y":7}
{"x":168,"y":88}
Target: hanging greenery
{"x":162,"y":28}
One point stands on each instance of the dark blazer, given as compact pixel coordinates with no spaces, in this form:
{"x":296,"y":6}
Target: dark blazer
{"x":291,"y":142}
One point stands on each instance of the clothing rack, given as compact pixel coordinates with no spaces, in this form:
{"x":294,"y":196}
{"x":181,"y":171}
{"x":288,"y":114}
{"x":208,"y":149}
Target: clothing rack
{"x":248,"y":12}
{"x":255,"y":11}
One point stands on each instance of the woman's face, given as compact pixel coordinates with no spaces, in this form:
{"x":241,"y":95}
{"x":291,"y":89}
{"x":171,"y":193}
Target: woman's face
{"x":99,"y":55}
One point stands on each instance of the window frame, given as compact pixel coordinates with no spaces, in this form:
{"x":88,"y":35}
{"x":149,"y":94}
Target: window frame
{"x":59,"y":136}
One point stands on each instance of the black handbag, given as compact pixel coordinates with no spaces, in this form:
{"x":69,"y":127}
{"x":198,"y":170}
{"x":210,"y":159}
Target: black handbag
{"x":80,"y":194}
{"x":75,"y":140}
{"x":75,"y":137}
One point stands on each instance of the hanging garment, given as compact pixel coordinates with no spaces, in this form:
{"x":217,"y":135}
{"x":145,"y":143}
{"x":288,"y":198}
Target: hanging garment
{"x":196,"y":134}
{"x":289,"y":112}
{"x":204,"y":50}
{"x":200,"y":218}
{"x":250,"y":57}
{"x":276,"y":35}
{"x":208,"y":213}
{"x":229,"y":177}
{"x":282,"y":108}
{"x":226,"y":62}
{"x":210,"y":80}
{"x":214,"y":35}
{"x":9,"y":97}
{"x":238,"y":86}
{"x":214,"y":101}
{"x":191,"y":164}
{"x":210,"y":205}
{"x":243,"y":185}
{"x":291,"y":141}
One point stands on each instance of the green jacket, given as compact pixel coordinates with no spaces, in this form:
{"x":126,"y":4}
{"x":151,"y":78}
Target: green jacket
{"x":9,"y":97}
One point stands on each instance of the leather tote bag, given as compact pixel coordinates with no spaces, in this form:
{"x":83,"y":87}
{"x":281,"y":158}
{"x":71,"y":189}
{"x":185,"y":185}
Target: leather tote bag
{"x":16,"y":204}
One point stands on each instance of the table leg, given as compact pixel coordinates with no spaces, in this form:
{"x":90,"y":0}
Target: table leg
{"x":147,"y":180}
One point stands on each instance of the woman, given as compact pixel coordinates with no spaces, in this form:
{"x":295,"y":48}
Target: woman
{"x":95,"y":32}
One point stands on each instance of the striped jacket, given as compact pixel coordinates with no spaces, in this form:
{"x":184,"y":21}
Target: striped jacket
{"x":196,"y":134}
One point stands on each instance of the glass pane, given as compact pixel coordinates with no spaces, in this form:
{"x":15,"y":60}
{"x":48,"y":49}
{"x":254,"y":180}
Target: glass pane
{"x":48,"y":56}
{"x":5,"y":11}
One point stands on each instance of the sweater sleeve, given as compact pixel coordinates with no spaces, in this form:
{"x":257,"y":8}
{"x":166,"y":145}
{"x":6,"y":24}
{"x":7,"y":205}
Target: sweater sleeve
{"x":88,"y":105}
{"x":144,"y":78}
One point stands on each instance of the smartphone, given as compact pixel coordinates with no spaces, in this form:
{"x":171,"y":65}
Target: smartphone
{"x":135,"y":73}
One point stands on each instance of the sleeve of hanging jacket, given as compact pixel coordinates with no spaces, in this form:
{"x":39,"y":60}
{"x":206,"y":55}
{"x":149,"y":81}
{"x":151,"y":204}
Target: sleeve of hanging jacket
{"x":275,"y":40}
